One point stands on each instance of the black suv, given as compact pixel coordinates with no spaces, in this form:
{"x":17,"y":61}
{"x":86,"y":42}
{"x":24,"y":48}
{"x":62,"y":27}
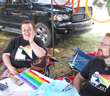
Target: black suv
{"x":66,"y":23}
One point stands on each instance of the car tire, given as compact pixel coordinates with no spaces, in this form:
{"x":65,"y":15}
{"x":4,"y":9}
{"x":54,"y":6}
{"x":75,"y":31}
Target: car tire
{"x":43,"y":31}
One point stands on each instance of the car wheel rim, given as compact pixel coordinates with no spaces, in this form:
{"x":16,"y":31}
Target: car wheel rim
{"x":42,"y":33}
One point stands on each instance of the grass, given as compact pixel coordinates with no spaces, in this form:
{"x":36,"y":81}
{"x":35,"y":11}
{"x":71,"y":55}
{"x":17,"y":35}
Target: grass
{"x":4,"y":39}
{"x":67,"y":47}
{"x":64,"y":49}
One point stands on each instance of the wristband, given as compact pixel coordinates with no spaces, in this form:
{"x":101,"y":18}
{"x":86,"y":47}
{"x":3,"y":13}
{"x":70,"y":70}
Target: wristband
{"x":31,"y":41}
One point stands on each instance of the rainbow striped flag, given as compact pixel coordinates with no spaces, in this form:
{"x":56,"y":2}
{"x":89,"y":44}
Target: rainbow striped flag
{"x":7,"y":73}
{"x":32,"y":79}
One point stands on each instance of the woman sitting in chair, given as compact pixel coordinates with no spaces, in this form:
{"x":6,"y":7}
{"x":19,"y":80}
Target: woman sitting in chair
{"x":22,"y":49}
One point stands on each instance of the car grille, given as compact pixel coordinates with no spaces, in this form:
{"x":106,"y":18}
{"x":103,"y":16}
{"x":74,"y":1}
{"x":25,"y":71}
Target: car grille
{"x":81,"y":15}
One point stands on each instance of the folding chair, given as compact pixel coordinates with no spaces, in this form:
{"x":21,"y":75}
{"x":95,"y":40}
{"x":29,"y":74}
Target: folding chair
{"x":43,"y":64}
{"x":77,"y":63}
{"x":79,"y":60}
{"x":47,"y":70}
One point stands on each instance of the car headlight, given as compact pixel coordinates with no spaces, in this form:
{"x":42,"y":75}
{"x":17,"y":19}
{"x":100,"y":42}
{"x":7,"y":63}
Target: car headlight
{"x":66,"y":17}
{"x":61,"y":17}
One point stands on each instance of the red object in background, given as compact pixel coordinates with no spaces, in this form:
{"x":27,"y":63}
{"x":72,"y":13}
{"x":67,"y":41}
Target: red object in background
{"x":77,"y":6}
{"x":61,"y":5}
{"x":1,"y":61}
{"x":93,"y":53}
{"x":69,"y":79}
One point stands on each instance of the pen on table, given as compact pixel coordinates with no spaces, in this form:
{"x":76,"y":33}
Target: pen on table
{"x":16,"y":72}
{"x":6,"y":83}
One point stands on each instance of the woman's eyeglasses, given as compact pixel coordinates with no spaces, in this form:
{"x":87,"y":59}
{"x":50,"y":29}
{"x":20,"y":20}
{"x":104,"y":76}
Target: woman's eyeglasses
{"x":24,"y":30}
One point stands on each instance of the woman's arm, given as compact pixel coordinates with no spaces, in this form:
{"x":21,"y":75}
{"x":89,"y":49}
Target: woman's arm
{"x":39,"y":51}
{"x":7,"y":62}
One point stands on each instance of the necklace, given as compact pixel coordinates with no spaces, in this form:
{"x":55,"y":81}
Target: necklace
{"x":106,"y":68}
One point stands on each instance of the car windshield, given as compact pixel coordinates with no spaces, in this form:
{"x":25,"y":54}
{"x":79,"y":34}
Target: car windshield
{"x":61,"y":2}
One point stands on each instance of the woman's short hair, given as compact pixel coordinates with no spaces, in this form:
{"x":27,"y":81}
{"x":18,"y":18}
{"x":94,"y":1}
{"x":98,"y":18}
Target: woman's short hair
{"x":28,"y":22}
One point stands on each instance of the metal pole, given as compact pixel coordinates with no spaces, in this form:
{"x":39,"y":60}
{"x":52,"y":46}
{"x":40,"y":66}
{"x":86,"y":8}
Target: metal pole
{"x":108,"y":6}
{"x":52,"y":25}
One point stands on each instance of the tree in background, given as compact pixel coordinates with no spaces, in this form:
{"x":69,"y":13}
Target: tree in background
{"x":100,"y":3}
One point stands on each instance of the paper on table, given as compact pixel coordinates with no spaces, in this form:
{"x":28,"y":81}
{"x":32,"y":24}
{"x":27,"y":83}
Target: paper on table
{"x":13,"y":87}
{"x":10,"y":89}
{"x":20,"y":93}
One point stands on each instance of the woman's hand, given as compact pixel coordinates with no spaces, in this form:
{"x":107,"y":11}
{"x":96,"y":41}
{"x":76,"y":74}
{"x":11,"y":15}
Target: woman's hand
{"x":13,"y":70}
{"x":31,"y":38}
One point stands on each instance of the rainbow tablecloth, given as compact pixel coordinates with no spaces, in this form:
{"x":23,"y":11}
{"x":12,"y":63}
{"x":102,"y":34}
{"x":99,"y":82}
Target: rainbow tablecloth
{"x":32,"y":78}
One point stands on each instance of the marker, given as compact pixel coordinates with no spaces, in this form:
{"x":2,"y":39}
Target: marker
{"x":16,"y":72}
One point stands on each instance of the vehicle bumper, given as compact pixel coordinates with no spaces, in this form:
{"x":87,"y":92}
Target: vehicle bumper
{"x":73,"y":29}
